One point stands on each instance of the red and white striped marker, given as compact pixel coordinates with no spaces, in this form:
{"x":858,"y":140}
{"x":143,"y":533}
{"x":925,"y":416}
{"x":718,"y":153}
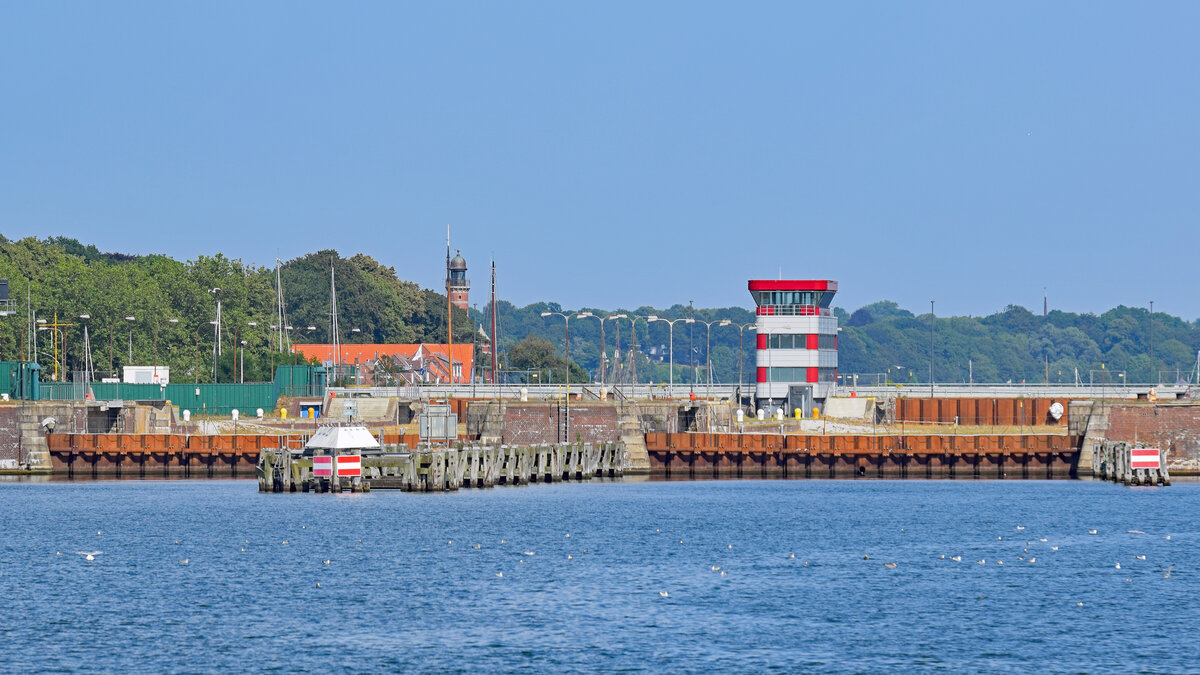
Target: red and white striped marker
{"x":323,"y":466}
{"x":349,"y":465}
{"x":1144,"y":458}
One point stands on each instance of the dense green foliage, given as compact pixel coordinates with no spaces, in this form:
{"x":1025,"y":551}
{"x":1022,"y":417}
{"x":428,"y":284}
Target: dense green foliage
{"x":62,"y":278}
{"x":66,"y":277}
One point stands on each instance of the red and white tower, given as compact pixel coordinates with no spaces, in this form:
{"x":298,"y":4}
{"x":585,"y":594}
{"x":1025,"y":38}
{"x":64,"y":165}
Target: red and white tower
{"x":797,"y":343}
{"x":456,"y":282}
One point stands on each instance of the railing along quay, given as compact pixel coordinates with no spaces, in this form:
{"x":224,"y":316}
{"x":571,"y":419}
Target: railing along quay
{"x":729,"y":391}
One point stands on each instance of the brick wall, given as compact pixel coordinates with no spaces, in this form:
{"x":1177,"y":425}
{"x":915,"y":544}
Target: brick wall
{"x":1174,"y":428}
{"x":10,"y":435}
{"x":536,"y":422}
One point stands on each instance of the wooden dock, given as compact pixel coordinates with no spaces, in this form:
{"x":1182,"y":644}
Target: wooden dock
{"x":441,"y":468}
{"x":1129,"y":464}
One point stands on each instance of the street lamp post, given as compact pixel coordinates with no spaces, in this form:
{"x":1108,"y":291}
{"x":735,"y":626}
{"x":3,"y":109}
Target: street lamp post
{"x":1153,"y":373}
{"x":111,"y":341}
{"x":671,"y":346}
{"x":708,"y":353}
{"x":600,"y":320}
{"x":741,"y":354}
{"x":567,"y":351}
{"x":196,"y":371}
{"x":239,"y":346}
{"x":156,"y":325}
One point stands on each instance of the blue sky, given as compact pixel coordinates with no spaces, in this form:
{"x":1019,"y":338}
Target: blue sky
{"x":620,"y":154}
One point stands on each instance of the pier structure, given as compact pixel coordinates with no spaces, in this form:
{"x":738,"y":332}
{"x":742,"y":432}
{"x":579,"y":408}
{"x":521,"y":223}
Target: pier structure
{"x":857,"y":438}
{"x":438,"y":468}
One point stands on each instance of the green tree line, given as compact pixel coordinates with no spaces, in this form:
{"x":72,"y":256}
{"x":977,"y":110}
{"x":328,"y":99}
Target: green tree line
{"x":64,"y":278}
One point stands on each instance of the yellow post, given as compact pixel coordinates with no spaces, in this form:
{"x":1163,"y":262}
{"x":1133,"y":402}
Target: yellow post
{"x":816,"y":413}
{"x":799,"y":413}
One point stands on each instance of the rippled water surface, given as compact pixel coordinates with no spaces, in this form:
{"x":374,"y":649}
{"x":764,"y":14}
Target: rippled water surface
{"x":489,"y":579}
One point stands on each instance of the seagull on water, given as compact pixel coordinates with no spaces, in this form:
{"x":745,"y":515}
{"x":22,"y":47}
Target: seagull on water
{"x":499,"y":574}
{"x":663,"y":594}
{"x":791,"y":556}
{"x":999,"y":562}
{"x":890,"y":565}
{"x":729,"y":546}
{"x":722,"y":572}
{"x":89,"y":555}
{"x":567,"y":535}
{"x":1092,"y":531}
{"x":1042,"y":539}
{"x":981,"y":562}
{"x":956,"y":558}
{"x":1020,"y":527}
{"x":1168,"y":537}
{"x":1053,"y":548}
{"x":183,"y":562}
{"x":1167,"y":572}
{"x":285,"y":542}
{"x":1135,"y":532}
{"x":1033,"y":560}
{"x":325,"y":562}
{"x":569,"y":557}
{"x":528,"y":553}
{"x":477,"y":546}
{"x":715,"y":568}
{"x":318,"y":584}
{"x":1140,"y":557}
{"x":1118,"y":566}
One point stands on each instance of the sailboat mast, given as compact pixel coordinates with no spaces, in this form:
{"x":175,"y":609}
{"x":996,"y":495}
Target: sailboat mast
{"x":333,"y":320}
{"x":449,"y":313}
{"x":279,"y":304}
{"x":495,"y":340}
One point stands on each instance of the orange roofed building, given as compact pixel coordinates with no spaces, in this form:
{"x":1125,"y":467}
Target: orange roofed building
{"x":418,"y":362}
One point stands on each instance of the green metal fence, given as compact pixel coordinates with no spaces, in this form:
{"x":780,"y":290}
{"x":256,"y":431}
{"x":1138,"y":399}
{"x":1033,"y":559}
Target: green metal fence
{"x":216,"y":399}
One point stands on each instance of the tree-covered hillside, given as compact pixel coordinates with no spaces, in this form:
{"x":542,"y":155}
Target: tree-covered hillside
{"x":67,"y":278}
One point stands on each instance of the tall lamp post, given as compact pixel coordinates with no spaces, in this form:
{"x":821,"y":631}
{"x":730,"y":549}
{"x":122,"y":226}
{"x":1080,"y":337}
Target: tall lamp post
{"x":111,"y":333}
{"x":154,"y":378}
{"x":196,"y":371}
{"x":599,"y":320}
{"x":708,"y":353}
{"x":239,"y":346}
{"x":932,"y":316}
{"x":671,"y":343}
{"x":567,"y":350}
{"x":1153,"y":374}
{"x":741,"y":355}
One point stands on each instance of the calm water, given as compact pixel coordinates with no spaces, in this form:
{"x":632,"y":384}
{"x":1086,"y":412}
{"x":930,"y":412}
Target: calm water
{"x":406,"y":590}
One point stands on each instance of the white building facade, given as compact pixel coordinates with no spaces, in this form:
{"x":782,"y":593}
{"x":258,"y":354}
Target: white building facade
{"x":796,"y":359}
